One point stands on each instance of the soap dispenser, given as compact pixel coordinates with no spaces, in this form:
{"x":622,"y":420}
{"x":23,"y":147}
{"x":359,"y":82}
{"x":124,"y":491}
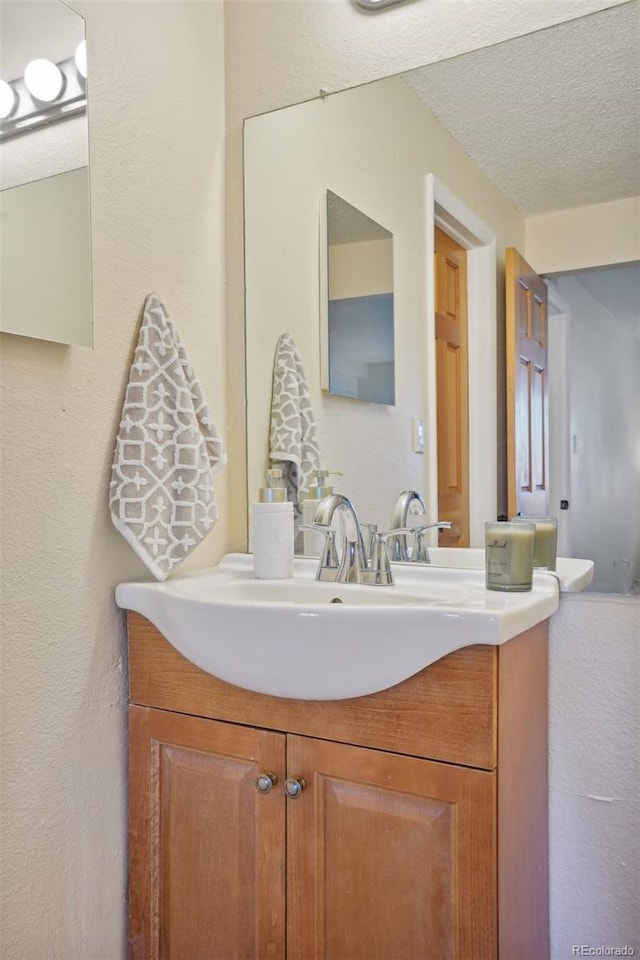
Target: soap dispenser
{"x":313,"y":541}
{"x":273,"y":530}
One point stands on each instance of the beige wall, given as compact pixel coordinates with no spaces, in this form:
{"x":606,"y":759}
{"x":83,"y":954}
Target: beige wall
{"x":605,"y":233}
{"x":157,"y":155}
{"x":594,"y":772}
{"x":360,"y":269}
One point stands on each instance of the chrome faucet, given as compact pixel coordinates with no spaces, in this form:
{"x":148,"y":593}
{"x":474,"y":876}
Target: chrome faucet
{"x":409,"y":514}
{"x":352,"y":564}
{"x":409,"y":502}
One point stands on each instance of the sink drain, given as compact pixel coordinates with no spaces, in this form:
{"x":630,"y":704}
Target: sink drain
{"x":336,"y":600}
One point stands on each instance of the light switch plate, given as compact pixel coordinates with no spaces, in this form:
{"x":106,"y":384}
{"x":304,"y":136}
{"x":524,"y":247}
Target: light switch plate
{"x":418,"y":435}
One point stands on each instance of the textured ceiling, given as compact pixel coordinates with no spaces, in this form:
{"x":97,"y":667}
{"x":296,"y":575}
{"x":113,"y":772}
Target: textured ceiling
{"x":347,"y":224}
{"x":553,"y":117}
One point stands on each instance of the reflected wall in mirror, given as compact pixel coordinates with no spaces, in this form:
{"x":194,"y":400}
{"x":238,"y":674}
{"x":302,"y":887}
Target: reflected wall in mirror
{"x":44,"y":174}
{"x":483,"y":139}
{"x":359,"y":306}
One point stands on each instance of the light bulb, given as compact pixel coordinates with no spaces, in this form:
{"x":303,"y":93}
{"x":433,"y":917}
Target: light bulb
{"x":44,"y":80}
{"x":81,"y":58}
{"x":8,"y":99}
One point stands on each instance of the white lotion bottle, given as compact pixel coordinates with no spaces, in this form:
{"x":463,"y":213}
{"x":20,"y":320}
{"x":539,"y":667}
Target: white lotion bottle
{"x":313,"y":540}
{"x":272,"y":522}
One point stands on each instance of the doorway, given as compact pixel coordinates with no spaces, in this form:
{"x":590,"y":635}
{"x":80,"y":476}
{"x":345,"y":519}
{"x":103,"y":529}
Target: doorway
{"x":594,"y":380}
{"x":452,"y":384}
{"x":446,"y":211}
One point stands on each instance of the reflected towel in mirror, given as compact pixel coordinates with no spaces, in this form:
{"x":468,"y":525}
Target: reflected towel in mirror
{"x":167,"y":451}
{"x":293,"y":438}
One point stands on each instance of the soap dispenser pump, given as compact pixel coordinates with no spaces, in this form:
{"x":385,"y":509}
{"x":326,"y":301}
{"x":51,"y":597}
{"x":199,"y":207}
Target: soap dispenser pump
{"x":273,"y":530}
{"x":313,"y":541}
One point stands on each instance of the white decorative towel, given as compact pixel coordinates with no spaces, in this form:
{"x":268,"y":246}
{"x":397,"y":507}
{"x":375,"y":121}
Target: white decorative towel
{"x":293,"y":439}
{"x":167,"y":451}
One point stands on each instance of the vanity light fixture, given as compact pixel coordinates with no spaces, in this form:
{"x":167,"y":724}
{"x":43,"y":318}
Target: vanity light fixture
{"x":80,"y":58}
{"x":48,"y":92}
{"x":8,"y":99}
{"x":44,"y":80}
{"x":377,"y":4}
{"x":73,"y":107}
{"x":30,"y":122}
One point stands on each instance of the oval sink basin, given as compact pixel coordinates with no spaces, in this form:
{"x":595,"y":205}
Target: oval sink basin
{"x":306,"y":640}
{"x":303,"y":592}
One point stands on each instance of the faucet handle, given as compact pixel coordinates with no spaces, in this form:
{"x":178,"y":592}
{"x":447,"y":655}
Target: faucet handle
{"x":329,"y":555}
{"x":397,"y":531}
{"x":420,"y":552}
{"x":370,"y":542}
{"x":418,"y":523}
{"x":329,"y":561}
{"x":379,"y":572}
{"x":416,"y":526}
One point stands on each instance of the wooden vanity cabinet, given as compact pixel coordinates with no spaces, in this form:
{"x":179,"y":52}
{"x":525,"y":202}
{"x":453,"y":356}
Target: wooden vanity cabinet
{"x":420,"y":831}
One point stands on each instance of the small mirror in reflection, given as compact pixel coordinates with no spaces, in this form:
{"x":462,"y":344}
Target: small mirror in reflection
{"x":359,"y":318}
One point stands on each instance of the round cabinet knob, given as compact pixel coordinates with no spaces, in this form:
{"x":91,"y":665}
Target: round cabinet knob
{"x":265,"y":781}
{"x":293,"y":787}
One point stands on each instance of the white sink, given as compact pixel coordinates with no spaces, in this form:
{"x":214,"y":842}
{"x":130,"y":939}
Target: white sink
{"x":573,"y":575}
{"x":288,"y":639}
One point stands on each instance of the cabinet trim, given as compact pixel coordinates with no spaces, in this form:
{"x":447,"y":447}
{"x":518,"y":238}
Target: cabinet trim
{"x":446,"y":712}
{"x":523,"y":832}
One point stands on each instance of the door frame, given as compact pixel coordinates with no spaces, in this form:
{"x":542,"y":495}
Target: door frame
{"x":558,"y":328}
{"x":448,"y":212}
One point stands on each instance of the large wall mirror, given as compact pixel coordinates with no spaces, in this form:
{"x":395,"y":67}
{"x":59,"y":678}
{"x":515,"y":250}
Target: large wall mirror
{"x":44,"y":173}
{"x":481,"y":146}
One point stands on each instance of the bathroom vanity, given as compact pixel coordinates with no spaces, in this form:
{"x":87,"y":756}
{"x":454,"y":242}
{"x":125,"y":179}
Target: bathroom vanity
{"x":408,"y":823}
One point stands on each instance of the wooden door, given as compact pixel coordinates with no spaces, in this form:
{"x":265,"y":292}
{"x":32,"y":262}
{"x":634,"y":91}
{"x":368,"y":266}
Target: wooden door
{"x":207,"y":863}
{"x":452,"y":389}
{"x":527,"y":389}
{"x":388,"y":857}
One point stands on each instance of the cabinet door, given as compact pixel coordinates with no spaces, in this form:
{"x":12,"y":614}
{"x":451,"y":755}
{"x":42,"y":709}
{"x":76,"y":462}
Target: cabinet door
{"x":206,"y":848}
{"x":389,"y":857}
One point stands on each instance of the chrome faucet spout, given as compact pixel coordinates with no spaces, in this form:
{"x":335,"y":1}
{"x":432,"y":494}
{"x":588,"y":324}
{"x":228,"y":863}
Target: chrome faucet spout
{"x":409,"y":502}
{"x":409,"y":516}
{"x":352,"y":564}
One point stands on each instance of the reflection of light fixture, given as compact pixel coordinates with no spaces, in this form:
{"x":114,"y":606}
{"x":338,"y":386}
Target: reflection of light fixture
{"x":47,"y":93}
{"x":74,"y":106}
{"x":80,"y":58}
{"x":30,"y":122}
{"x":8,"y":99}
{"x":44,"y":80}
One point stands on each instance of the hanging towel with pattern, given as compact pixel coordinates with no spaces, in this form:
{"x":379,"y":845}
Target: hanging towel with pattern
{"x":167,"y":451}
{"x":293,"y":439}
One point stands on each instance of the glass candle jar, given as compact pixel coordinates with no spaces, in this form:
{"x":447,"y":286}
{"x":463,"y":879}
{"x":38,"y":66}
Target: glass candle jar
{"x":545,"y":540}
{"x":509,"y":555}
